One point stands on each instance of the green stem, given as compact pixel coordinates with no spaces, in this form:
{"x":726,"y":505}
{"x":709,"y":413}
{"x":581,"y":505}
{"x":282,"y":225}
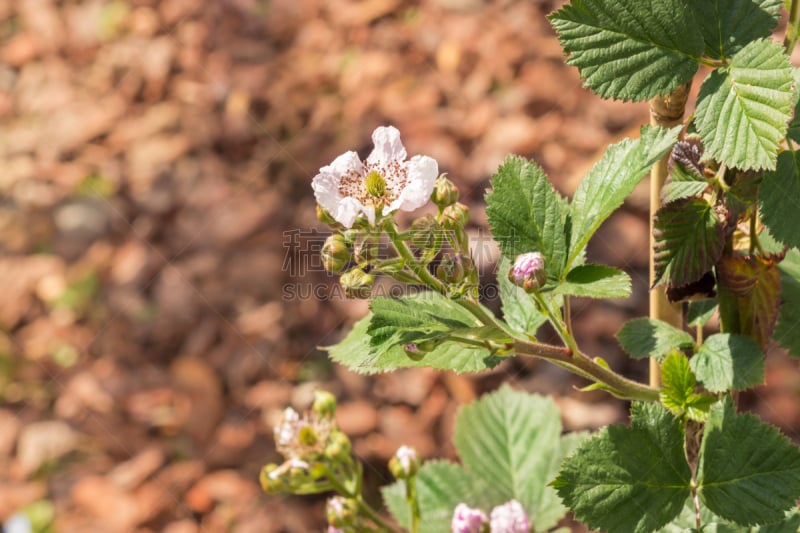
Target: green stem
{"x":411,"y":261}
{"x":793,"y":27}
{"x":413,"y":504}
{"x":555,"y":319}
{"x":579,"y":363}
{"x":363,"y":506}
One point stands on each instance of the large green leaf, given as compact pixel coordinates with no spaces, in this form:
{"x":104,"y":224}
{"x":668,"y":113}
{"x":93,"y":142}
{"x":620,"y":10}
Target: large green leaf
{"x":629,"y":479}
{"x":727,"y":361}
{"x":631,"y":50}
{"x":441,"y":486}
{"x":527,"y":215}
{"x":747,"y":472}
{"x":787,"y":331}
{"x":728,"y":25}
{"x":689,"y":240}
{"x":743,"y":110}
{"x":519,"y":310}
{"x":648,"y":337}
{"x":355,"y":352}
{"x":678,"y":393}
{"x":596,"y":281}
{"x":779,"y":196}
{"x":415,"y":319}
{"x":612,"y":179}
{"x":512,"y":441}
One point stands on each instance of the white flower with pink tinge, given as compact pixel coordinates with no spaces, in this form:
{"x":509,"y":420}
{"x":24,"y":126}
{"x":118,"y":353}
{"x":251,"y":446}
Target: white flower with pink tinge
{"x":385,"y":182}
{"x":467,"y":520}
{"x":509,"y":518}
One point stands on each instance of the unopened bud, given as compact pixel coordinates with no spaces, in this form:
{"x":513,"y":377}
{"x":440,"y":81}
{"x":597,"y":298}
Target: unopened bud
{"x":456,"y":215}
{"x":365,"y":248}
{"x":357,"y":283}
{"x":426,"y":234}
{"x":528,"y":272}
{"x":509,"y":518}
{"x":335,"y":253}
{"x":269,"y":483}
{"x":325,"y":217}
{"x":405,"y":462}
{"x":340,"y":511}
{"x":339,"y":446}
{"x":445,"y":193}
{"x":453,"y":268}
{"x":468,"y":520}
{"x":324,"y":404}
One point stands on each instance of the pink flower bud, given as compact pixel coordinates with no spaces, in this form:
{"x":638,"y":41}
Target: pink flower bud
{"x":509,"y":518}
{"x":467,"y":519}
{"x":528,"y":272}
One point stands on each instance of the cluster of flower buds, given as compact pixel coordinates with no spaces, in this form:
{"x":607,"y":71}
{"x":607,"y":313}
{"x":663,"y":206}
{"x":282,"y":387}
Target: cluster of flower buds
{"x":509,"y":517}
{"x":341,"y":512}
{"x":310,"y":444}
{"x":528,"y":272}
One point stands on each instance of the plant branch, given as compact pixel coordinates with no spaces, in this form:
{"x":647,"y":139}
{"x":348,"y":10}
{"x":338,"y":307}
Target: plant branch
{"x":411,"y":261}
{"x":792,"y":28}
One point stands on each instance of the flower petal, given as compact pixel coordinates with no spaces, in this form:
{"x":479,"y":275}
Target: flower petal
{"x":326,"y":188}
{"x":422,"y":173}
{"x":388,"y":146}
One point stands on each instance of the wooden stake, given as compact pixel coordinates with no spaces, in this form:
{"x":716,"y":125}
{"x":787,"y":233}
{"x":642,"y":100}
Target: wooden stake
{"x":667,"y":112}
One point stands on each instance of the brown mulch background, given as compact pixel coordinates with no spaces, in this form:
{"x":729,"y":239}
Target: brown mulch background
{"x":157,"y":236}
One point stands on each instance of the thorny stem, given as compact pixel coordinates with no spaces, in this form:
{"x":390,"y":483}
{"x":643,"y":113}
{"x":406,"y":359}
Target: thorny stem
{"x":793,"y":27}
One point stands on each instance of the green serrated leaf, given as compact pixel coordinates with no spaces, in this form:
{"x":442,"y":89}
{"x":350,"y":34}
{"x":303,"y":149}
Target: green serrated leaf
{"x":794,"y":124}
{"x":755,"y":284}
{"x":355,"y":352}
{"x":788,"y":326}
{"x":675,"y":190}
{"x":689,"y":240}
{"x":728,"y":25}
{"x":629,"y":479}
{"x":699,"y":312}
{"x":415,"y":319}
{"x":519,"y":309}
{"x":727,"y":361}
{"x":779,"y":197}
{"x":630,"y":50}
{"x":647,"y":337}
{"x":747,"y":472}
{"x":678,"y":393}
{"x":441,"y":486}
{"x":527,"y":215}
{"x":496,"y":437}
{"x":595,"y":281}
{"x":743,"y":110}
{"x":611,"y":180}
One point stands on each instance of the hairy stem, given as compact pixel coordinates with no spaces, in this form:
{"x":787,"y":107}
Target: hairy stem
{"x":793,"y":27}
{"x":411,"y":261}
{"x":665,"y":111}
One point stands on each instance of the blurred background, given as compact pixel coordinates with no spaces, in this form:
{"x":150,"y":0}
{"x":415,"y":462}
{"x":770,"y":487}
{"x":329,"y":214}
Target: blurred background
{"x":160,"y":297}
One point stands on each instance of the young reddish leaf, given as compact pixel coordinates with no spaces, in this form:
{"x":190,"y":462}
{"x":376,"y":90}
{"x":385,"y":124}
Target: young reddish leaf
{"x":756,"y":284}
{"x":688,"y":241}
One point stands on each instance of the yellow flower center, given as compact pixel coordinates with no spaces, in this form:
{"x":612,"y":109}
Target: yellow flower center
{"x":375,"y":184}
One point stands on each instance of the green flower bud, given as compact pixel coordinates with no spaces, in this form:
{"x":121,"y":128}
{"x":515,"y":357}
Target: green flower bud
{"x":445,"y":193}
{"x":426,"y":234}
{"x":453,"y":268}
{"x":365,"y":248}
{"x":405,"y":463}
{"x":335,"y":253}
{"x":456,"y":215}
{"x":317,"y":470}
{"x":338,"y":447}
{"x":324,"y":405}
{"x":357,"y":283}
{"x":325,"y":217}
{"x":269,"y":483}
